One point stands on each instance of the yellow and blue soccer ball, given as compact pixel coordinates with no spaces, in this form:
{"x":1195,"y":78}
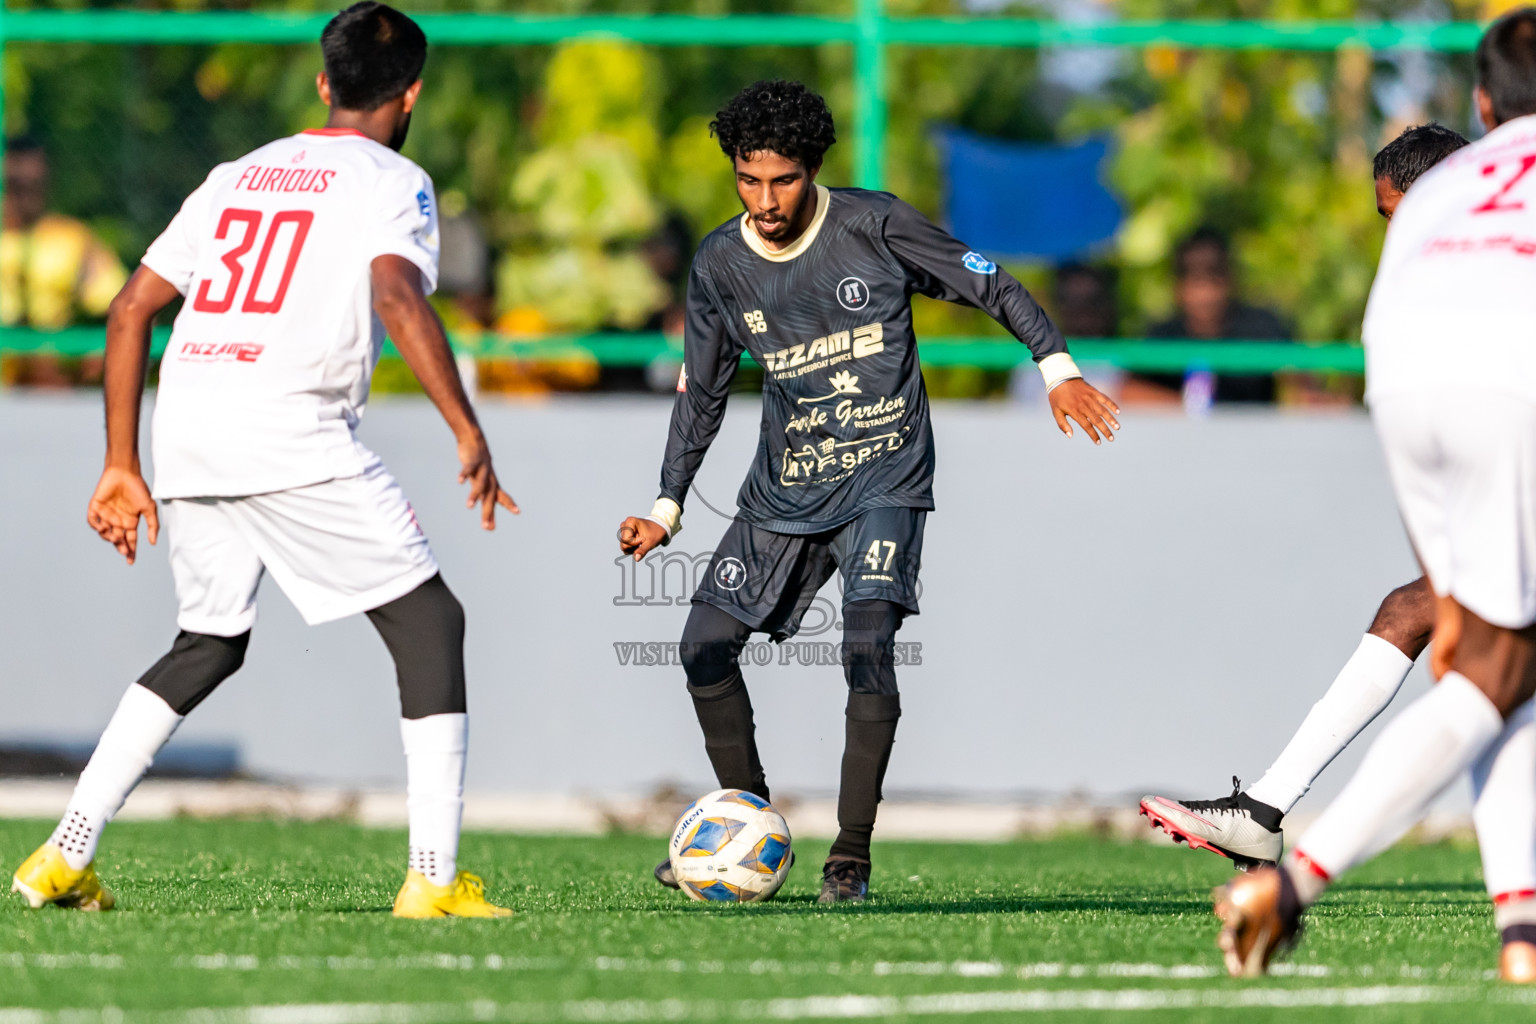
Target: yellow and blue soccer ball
{"x":730,"y":846}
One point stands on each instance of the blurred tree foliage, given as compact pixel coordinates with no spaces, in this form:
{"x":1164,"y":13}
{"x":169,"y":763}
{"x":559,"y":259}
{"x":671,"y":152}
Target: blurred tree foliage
{"x":1273,"y":148}
{"x":571,"y":155}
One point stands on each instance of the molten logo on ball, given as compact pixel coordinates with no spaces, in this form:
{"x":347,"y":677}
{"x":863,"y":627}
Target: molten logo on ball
{"x":730,"y":846}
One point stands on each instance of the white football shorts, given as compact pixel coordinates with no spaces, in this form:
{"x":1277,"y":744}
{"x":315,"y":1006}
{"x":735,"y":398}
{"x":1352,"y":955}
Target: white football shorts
{"x":336,"y":548}
{"x":1463,"y":464}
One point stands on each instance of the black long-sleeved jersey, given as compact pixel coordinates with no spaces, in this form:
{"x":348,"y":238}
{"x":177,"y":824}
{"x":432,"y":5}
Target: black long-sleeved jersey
{"x":829,"y":318}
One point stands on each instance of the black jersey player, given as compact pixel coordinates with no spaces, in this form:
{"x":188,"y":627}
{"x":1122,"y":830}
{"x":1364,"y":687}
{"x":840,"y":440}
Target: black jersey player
{"x":816,"y":284}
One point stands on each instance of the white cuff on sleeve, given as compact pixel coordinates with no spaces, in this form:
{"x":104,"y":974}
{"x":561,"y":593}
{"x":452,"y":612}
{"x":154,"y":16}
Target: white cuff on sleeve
{"x":667,"y":514}
{"x":1058,"y":368}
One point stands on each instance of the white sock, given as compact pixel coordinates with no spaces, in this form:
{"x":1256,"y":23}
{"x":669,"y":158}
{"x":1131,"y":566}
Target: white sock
{"x":1415,"y":758}
{"x":434,"y":769}
{"x":1504,"y":808}
{"x":138,"y":729}
{"x":1363,"y":688}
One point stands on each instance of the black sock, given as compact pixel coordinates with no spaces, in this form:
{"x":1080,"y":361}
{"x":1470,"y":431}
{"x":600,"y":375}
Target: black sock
{"x":1265,"y":814}
{"x":871,"y":732}
{"x":1518,"y":933}
{"x":1289,"y":906}
{"x":725,"y":714}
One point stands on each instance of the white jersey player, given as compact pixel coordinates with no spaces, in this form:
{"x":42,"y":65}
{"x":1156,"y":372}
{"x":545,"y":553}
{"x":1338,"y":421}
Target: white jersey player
{"x":1451,"y":380}
{"x":293,"y":261}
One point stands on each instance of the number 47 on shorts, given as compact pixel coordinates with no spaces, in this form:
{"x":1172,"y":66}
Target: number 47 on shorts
{"x":872,"y":556}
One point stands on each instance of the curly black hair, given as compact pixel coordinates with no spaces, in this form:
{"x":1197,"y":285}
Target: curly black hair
{"x":778,"y":117}
{"x":1415,"y":151}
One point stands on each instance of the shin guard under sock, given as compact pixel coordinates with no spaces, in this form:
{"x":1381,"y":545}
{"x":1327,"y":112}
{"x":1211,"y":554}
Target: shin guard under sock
{"x":724,"y":710}
{"x":871,"y":732}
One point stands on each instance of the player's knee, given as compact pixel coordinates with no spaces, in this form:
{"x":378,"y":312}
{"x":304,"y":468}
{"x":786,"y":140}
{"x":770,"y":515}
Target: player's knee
{"x":424,"y":631}
{"x":869,"y":646}
{"x":194,"y":667}
{"x":711,"y":646}
{"x":1406,"y":618}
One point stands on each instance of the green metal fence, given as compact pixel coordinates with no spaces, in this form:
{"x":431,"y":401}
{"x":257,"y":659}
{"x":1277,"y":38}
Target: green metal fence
{"x":869,"y":30}
{"x":986,"y":353}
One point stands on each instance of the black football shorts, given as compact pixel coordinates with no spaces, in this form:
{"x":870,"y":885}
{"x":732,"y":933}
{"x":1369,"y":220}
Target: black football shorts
{"x":768,"y":580}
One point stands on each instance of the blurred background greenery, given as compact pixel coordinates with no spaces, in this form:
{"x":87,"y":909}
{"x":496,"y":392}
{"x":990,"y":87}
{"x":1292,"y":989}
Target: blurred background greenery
{"x":586,"y":172}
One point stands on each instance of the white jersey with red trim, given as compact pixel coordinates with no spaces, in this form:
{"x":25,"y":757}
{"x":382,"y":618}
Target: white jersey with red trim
{"x":1454,"y":303}
{"x":269,"y":362}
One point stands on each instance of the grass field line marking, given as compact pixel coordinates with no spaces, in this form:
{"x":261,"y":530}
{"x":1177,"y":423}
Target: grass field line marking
{"x":847,"y":1007}
{"x":495,"y":962}
{"x":63,"y":961}
{"x":879,"y":968}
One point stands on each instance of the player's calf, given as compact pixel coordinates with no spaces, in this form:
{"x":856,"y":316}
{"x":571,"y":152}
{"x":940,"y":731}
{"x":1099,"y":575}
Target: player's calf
{"x":872,"y":714}
{"x":1406,"y":617}
{"x":194,"y":667}
{"x":424,"y":631}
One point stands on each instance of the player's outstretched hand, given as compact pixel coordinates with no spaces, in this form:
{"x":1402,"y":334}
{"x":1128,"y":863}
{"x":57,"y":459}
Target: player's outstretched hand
{"x":639,"y":537}
{"x":121,"y":498}
{"x":484,"y":489}
{"x":1078,"y":400}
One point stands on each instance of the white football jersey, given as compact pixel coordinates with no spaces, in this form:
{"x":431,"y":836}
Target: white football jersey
{"x":269,"y":362}
{"x":1454,"y":302}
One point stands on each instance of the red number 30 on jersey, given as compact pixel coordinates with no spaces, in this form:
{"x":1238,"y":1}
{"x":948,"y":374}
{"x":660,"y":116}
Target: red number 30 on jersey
{"x":291,"y":227}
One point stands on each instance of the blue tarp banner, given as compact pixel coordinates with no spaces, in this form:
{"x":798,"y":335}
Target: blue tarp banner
{"x":1028,"y":200}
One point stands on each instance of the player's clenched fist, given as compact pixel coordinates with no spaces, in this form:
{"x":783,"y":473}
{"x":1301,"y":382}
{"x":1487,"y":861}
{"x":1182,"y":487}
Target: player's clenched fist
{"x":639,"y":537}
{"x":121,"y":498}
{"x":1078,"y":400}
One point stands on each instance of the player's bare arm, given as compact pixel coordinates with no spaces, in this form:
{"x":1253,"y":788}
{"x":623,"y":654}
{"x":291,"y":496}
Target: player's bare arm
{"x":417,"y":332}
{"x":122,"y":496}
{"x":1093,"y":410}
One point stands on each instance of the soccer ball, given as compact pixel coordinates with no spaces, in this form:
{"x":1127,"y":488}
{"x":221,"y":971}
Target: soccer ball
{"x":730,"y":846}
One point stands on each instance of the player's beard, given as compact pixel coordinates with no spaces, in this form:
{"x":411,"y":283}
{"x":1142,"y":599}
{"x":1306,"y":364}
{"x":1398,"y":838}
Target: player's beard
{"x":775,"y":229}
{"x":397,"y":140}
{"x":781,"y":224}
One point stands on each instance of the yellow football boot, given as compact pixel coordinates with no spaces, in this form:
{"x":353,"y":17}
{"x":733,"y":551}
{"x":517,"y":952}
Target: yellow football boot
{"x":45,"y":877}
{"x":419,"y":898}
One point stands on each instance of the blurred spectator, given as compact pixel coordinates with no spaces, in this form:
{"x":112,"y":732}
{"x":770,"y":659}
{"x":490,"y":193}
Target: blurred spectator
{"x":1209,"y":311}
{"x":466,"y":302}
{"x":54,"y":271}
{"x":1084,"y":303}
{"x":669,"y":254}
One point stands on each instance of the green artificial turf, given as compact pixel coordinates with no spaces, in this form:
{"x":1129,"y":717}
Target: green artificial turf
{"x":225,"y":916}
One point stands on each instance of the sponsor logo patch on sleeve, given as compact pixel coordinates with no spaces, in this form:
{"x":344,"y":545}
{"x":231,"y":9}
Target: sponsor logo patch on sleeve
{"x":976,"y":263}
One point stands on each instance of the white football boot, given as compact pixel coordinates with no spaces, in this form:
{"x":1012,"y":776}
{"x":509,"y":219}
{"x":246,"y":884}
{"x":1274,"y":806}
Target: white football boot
{"x":1235,"y":826}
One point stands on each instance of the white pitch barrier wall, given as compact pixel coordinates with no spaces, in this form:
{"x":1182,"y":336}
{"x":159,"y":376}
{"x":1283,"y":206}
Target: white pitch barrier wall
{"x":1158,"y":612}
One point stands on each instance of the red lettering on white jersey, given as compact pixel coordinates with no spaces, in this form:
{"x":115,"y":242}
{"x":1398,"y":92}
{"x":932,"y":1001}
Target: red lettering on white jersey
{"x":217,"y":352}
{"x":284,"y":179}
